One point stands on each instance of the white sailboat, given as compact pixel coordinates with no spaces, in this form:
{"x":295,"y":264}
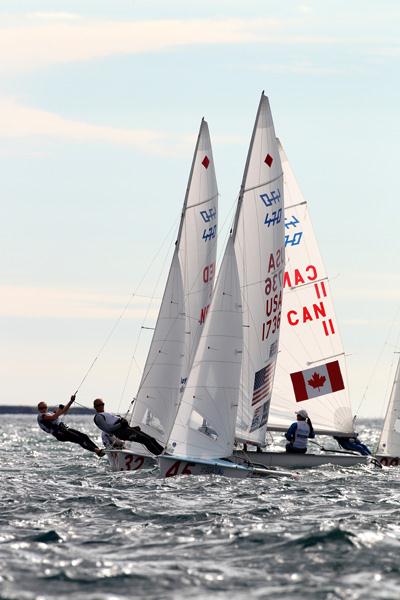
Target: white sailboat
{"x":311,"y":370}
{"x":235,"y":359}
{"x":388,"y":452}
{"x":182,"y":312}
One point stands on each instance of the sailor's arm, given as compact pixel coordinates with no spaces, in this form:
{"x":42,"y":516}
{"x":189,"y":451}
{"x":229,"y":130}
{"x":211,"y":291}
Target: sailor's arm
{"x":61,"y":410}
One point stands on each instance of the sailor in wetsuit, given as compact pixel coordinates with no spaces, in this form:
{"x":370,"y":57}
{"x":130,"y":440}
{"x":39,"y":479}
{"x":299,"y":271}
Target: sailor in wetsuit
{"x":353,"y":443}
{"x":298,"y":433}
{"x":119,"y":427}
{"x":50,"y":423}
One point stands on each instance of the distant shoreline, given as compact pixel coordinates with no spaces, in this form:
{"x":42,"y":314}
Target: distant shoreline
{"x":30,"y":410}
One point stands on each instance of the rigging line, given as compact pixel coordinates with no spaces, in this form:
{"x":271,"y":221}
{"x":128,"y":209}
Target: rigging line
{"x":372,"y":373}
{"x":118,"y":320}
{"x":133,"y":358}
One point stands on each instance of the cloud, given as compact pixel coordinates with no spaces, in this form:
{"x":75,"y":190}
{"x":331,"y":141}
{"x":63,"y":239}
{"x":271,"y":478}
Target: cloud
{"x":17,"y":120}
{"x":28,"y":46}
{"x":53,"y":16}
{"x":58,"y":303}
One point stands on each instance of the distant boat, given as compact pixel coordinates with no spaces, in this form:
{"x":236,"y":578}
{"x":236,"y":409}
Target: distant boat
{"x":238,"y":347}
{"x":388,"y":452}
{"x":311,"y":371}
{"x":182,"y":312}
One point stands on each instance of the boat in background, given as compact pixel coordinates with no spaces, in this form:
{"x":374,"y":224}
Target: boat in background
{"x":182,"y":312}
{"x":311,"y":370}
{"x":388,"y":453}
{"x":236,"y":356}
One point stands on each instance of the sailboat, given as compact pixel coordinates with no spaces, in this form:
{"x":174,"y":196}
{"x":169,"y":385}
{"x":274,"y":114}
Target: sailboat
{"x":238,"y":347}
{"x":388,"y":453}
{"x":182,"y":313}
{"x":311,"y":371}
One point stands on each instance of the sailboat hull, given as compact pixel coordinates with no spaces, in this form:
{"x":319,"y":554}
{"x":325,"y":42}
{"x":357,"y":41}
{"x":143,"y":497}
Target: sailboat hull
{"x":298,"y":461}
{"x":123,"y":460}
{"x":388,"y":461}
{"x":172,"y":466}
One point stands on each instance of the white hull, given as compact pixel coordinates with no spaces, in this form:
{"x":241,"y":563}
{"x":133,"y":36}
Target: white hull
{"x":171,"y":466}
{"x":299,"y":461}
{"x":388,"y":461}
{"x":124,"y":460}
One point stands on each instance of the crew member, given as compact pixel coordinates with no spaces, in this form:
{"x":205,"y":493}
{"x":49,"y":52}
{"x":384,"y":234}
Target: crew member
{"x":119,"y":427}
{"x":353,"y":443}
{"x":50,"y":423}
{"x":298,"y":433}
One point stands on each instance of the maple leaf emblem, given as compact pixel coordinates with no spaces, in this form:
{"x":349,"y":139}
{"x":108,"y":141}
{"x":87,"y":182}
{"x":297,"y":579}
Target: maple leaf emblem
{"x":317,"y":381}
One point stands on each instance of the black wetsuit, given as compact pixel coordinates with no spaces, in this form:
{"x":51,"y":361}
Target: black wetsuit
{"x":65,"y":434}
{"x":122,"y":430}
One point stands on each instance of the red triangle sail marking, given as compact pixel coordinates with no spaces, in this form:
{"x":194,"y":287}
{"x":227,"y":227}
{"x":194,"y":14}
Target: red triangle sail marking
{"x":269,"y":160}
{"x":205,"y":162}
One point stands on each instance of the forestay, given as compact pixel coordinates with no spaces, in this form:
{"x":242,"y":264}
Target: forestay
{"x":185,"y":301}
{"x":389,"y":442}
{"x":205,"y":423}
{"x":311,"y":370}
{"x":258,"y":239}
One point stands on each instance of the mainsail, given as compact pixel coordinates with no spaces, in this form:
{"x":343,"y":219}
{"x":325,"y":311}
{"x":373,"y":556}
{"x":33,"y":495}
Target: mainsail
{"x":185,"y":301}
{"x":258,"y":240}
{"x":389,"y":442}
{"x":311,"y":370}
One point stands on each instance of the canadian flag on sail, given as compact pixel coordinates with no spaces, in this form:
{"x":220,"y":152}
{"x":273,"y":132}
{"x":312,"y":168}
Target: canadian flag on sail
{"x":317,"y":381}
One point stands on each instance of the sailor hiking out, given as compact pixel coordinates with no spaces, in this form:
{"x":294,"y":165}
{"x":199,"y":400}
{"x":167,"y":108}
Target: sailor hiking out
{"x":298,"y":433}
{"x":119,"y":427}
{"x":50,"y":423}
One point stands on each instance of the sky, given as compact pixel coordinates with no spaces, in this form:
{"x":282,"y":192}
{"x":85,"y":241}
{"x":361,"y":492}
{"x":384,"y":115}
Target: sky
{"x":100,"y":105}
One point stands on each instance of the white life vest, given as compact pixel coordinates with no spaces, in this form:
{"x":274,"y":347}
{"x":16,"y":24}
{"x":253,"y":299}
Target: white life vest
{"x":48,"y":426}
{"x":301,"y":435}
{"x":107,"y":422}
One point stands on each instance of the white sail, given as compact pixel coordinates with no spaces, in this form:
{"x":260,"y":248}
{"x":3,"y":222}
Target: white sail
{"x":158,"y":397}
{"x":258,"y":236}
{"x":311,"y":370}
{"x":185,"y":301}
{"x":389,"y":442}
{"x":205,"y":423}
{"x":198,"y":242}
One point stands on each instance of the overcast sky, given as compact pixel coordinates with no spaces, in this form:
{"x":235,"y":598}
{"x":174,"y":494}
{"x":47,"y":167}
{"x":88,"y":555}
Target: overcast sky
{"x":100,"y":105}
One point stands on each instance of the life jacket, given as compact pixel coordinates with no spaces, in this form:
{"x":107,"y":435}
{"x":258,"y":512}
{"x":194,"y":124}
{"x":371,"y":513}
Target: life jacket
{"x":107,"y":422}
{"x":48,"y":426}
{"x":301,"y":435}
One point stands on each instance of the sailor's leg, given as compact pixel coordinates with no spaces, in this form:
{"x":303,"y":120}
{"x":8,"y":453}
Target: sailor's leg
{"x":77,"y":437}
{"x":133,"y":434}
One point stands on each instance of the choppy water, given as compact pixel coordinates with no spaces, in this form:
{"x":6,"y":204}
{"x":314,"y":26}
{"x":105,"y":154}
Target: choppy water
{"x":70,"y":528}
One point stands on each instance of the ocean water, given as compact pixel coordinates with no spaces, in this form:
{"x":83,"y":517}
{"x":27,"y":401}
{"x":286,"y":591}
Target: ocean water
{"x":72,"y":529}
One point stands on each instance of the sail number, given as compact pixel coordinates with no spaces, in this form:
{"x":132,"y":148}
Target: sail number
{"x":137,"y":463}
{"x":175,"y":469}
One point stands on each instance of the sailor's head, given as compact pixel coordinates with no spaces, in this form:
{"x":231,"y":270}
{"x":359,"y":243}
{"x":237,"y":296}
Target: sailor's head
{"x":42,"y":407}
{"x":302,"y":415}
{"x":98,"y":405}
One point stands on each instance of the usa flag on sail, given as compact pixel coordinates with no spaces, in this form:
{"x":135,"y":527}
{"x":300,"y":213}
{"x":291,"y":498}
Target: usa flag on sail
{"x":317,"y":381}
{"x":262,"y":383}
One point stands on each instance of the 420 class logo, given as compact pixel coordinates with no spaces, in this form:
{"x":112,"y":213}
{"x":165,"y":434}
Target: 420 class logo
{"x":272,"y":200}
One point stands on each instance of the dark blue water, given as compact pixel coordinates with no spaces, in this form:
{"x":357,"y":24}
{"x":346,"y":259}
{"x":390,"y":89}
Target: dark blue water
{"x":70,"y":528}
